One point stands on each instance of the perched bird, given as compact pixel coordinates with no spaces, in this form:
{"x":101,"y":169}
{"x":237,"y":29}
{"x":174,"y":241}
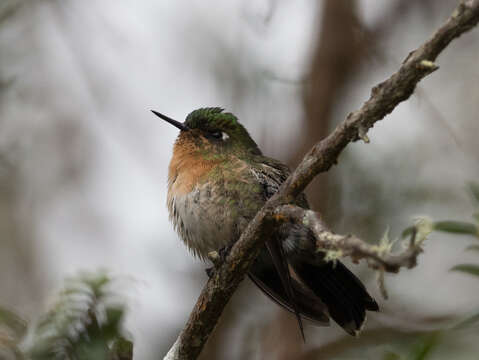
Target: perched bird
{"x":218,"y":180}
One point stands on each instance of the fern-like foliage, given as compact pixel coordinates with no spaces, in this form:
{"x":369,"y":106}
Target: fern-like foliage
{"x":12,"y":331}
{"x":84,"y":323}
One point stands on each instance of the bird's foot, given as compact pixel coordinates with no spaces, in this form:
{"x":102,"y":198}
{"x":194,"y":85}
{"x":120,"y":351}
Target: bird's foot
{"x":217,"y":258}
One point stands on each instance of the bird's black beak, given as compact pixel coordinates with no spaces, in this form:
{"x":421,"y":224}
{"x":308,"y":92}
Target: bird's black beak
{"x":175,"y":123}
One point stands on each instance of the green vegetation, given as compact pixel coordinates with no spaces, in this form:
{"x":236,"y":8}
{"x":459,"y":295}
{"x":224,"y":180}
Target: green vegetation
{"x":85,"y":323}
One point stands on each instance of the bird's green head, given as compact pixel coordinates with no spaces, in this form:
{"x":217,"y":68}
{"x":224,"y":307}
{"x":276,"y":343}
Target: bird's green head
{"x":215,"y":132}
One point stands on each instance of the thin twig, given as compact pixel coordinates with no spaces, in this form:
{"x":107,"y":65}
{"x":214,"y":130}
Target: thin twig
{"x":384,"y":98}
{"x":379,"y":257}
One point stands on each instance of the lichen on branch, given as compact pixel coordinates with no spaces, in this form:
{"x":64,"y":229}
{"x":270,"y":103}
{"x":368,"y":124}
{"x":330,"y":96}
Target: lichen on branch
{"x":380,"y":257}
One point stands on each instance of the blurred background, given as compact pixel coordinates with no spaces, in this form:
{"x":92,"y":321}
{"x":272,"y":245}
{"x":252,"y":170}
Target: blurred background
{"x":83,"y":163}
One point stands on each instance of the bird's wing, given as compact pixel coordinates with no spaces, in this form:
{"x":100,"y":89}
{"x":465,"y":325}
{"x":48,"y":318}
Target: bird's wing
{"x":271,"y":273}
{"x":272,"y":173}
{"x":343,"y":296}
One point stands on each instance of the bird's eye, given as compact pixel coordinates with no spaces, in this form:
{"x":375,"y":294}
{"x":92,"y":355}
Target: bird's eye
{"x":219,"y":135}
{"x":216,"y":134}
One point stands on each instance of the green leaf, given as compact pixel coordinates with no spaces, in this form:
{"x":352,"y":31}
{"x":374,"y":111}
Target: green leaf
{"x":471,"y":269}
{"x":13,"y":323}
{"x":424,"y":348}
{"x":456,"y":227}
{"x":472,"y":248}
{"x":84,"y":322}
{"x":122,"y":349}
{"x":114,"y":315}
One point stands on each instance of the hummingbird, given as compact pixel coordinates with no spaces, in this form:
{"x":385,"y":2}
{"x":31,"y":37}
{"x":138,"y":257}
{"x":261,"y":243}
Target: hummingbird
{"x":218,"y":180}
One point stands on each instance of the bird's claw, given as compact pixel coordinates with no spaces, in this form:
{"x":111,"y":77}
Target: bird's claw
{"x":217,"y":258}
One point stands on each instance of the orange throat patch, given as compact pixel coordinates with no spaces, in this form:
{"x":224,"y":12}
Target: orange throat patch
{"x":187,"y":167}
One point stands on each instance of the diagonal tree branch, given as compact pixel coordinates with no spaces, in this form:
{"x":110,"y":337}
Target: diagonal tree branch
{"x":384,"y":98}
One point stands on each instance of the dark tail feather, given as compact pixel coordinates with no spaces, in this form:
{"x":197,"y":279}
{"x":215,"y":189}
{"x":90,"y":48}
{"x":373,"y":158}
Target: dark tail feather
{"x":264,"y":274}
{"x":343,"y":293}
{"x":280,"y":262}
{"x":310,"y":307}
